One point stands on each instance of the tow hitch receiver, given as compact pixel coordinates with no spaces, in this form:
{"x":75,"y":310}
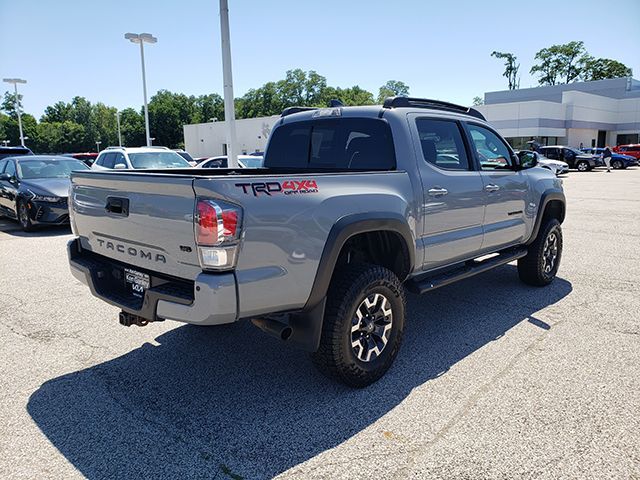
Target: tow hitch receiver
{"x":127,"y":319}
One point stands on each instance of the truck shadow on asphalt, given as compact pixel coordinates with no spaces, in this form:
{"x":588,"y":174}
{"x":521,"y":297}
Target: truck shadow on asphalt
{"x":226,"y":401}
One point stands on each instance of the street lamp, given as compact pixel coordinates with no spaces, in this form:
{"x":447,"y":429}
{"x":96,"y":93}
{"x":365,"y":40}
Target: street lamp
{"x":98,"y":146}
{"x":15,"y":82}
{"x":141,"y":38}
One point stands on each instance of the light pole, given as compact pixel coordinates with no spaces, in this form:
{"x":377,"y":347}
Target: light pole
{"x":98,"y":146}
{"x":119,"y":134}
{"x":15,"y":82}
{"x":227,"y":79}
{"x":140,"y":39}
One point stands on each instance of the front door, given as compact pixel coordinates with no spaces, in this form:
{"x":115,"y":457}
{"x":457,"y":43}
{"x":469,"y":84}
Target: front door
{"x":453,"y":196}
{"x":505,"y":189}
{"x":9,"y":189}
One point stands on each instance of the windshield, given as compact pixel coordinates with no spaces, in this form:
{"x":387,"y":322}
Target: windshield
{"x":32,"y":169}
{"x":158,"y":160}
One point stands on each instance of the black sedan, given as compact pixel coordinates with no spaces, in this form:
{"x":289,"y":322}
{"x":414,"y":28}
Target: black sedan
{"x":34,"y":189}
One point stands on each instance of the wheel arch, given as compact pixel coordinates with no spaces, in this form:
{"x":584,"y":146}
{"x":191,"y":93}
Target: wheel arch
{"x":552,"y":205}
{"x":307,"y":325}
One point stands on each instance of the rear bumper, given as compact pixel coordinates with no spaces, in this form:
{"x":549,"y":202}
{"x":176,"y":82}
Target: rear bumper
{"x":209,"y":300}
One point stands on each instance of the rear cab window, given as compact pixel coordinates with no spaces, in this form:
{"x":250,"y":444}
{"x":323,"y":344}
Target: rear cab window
{"x":332,"y":144}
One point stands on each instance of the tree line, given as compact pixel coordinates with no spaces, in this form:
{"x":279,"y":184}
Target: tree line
{"x":77,"y":125}
{"x":561,"y":64}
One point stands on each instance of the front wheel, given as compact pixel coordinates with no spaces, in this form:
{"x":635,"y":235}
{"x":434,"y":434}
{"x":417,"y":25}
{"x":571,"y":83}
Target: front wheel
{"x":583,"y":166}
{"x":363,"y":325}
{"x":540,"y":266}
{"x":23,"y":217}
{"x":617,"y":165}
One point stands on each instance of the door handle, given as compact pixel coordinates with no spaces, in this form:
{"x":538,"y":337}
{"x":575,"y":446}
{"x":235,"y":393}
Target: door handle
{"x":492,"y":188}
{"x":438,"y":192}
{"x":118,"y":206}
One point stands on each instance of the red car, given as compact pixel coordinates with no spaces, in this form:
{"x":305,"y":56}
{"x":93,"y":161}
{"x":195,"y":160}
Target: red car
{"x":632,"y":150}
{"x":87,"y":158}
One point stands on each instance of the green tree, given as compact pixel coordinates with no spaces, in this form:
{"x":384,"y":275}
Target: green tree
{"x":9,"y":104}
{"x":208,"y":107}
{"x":511,"y":68}
{"x":352,"y":96}
{"x":132,"y":128}
{"x":168,"y":113}
{"x":478,"y":101}
{"x":560,"y":63}
{"x":603,"y":68}
{"x":393,"y":88}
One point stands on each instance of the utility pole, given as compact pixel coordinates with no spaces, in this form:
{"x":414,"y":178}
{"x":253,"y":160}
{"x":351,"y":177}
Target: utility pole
{"x":119,"y":134}
{"x":229,"y":108}
{"x":15,"y":82}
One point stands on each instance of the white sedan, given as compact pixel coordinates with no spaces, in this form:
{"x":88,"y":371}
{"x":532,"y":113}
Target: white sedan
{"x":556,"y":166}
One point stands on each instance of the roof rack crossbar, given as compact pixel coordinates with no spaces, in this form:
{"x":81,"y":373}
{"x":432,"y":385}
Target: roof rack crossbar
{"x":396,"y":102}
{"x":292,"y":110}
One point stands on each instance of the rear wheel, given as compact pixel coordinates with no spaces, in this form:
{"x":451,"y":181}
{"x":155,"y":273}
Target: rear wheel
{"x":583,"y":166}
{"x":540,"y":266}
{"x":363,"y":325}
{"x":23,"y":217}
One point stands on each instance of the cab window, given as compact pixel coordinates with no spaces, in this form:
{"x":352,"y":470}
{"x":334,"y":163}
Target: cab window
{"x":490,"y":150}
{"x":442,"y":144}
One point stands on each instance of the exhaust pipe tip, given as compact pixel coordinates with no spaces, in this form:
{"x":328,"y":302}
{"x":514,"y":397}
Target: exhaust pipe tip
{"x":286,"y":333}
{"x":274,"y":328}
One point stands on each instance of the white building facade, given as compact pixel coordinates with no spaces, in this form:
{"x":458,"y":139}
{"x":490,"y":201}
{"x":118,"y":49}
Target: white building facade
{"x":599,"y":113}
{"x":210,"y":139}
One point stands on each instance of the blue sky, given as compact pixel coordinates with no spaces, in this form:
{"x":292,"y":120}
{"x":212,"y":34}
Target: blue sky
{"x":441,"y":49}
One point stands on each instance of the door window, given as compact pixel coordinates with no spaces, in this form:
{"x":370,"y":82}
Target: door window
{"x":491,"y":151}
{"x":109,"y":160}
{"x":442,"y":144}
{"x":2,"y":164}
{"x":10,"y":168}
{"x":119,"y":158}
{"x":551,"y":153}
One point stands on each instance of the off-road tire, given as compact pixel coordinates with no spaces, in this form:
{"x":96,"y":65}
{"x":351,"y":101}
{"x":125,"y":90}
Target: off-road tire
{"x":349,"y":287}
{"x":531,"y":268}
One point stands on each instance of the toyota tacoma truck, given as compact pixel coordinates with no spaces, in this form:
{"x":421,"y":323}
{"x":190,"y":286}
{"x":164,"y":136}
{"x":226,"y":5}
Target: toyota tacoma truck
{"x":353,"y":206}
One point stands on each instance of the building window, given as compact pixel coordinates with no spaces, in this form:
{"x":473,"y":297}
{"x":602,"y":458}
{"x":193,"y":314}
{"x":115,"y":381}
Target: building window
{"x":626,"y":138}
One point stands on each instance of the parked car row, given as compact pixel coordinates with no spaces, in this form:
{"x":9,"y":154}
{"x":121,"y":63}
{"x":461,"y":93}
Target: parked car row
{"x":34,"y":188}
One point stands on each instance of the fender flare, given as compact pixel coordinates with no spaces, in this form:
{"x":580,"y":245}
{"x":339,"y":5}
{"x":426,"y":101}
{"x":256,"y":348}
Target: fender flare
{"x":548,"y":196}
{"x":307,"y":324}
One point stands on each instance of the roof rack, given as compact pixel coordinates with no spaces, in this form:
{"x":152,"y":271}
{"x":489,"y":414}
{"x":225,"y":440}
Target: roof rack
{"x":396,"y":102}
{"x":292,"y":110}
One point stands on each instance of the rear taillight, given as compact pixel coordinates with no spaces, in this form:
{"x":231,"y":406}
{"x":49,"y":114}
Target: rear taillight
{"x":217,"y":230}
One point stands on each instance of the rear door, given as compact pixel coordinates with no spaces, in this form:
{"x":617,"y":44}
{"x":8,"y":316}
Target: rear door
{"x":505,"y":188}
{"x":140,"y":219}
{"x":453,"y":197}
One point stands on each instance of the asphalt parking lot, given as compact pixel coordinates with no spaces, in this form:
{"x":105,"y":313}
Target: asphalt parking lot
{"x":494,"y":380}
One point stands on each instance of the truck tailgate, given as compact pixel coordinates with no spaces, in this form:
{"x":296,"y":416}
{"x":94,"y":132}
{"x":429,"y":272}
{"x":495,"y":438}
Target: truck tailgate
{"x":144,"y":223}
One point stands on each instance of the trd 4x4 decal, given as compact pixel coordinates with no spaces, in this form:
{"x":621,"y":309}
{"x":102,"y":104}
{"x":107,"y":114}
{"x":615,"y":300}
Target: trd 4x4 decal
{"x":288,"y":187}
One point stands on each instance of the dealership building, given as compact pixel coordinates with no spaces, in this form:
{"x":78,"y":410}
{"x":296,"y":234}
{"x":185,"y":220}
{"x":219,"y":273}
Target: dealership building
{"x":599,"y":113}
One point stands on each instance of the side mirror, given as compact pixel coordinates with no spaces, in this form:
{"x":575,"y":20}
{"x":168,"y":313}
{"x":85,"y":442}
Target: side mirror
{"x":5,"y":177}
{"x":120,"y":166}
{"x":527,"y":159}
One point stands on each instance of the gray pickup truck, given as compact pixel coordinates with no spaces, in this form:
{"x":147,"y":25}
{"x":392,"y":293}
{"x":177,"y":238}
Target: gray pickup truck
{"x":353,"y":205}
